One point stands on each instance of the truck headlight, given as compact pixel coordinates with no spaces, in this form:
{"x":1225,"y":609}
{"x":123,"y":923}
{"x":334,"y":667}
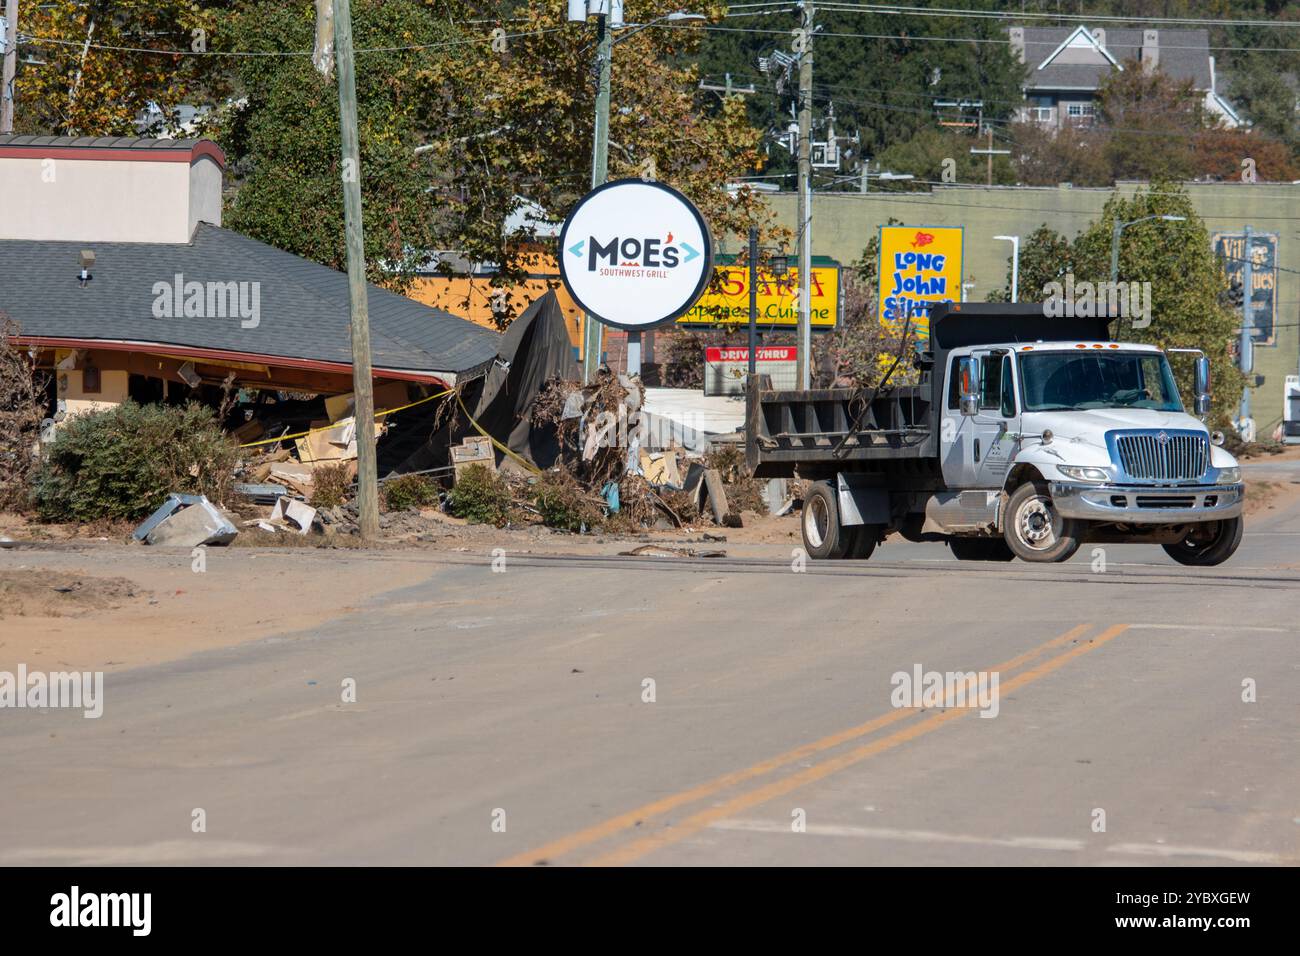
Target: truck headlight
{"x":1230,"y":476}
{"x":1083,"y":472}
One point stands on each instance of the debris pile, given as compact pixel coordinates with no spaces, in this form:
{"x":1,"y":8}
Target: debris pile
{"x":608,"y":462}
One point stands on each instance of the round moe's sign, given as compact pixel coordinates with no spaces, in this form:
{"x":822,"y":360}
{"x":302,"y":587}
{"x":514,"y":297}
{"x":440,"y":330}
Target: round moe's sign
{"x":635,"y":254}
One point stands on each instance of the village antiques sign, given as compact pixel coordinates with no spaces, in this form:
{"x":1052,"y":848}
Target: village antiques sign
{"x":635,"y":254}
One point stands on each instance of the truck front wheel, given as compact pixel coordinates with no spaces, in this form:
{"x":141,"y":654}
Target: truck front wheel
{"x":1207,"y":544}
{"x":1034,"y":529}
{"x":823,"y":535}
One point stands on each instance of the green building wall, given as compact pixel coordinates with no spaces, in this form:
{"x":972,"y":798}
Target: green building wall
{"x":844,"y":222}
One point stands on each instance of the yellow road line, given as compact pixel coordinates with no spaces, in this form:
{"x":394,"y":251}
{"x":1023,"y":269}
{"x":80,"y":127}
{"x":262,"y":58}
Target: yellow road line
{"x":632,"y":818}
{"x":693,"y":824}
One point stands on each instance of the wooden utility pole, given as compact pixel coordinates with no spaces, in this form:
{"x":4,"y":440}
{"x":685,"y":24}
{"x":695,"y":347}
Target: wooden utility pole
{"x":362,"y":377}
{"x":802,"y":365}
{"x":10,"y":69}
{"x":990,"y":152}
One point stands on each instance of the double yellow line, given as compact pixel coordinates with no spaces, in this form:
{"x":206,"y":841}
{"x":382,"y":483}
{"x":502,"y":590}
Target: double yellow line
{"x":760,"y":793}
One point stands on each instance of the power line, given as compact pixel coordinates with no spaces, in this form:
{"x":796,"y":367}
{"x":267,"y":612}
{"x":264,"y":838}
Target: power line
{"x":934,"y":39}
{"x":38,"y":40}
{"x":948,"y":12}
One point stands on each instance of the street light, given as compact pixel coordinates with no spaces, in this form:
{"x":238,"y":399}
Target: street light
{"x":1015,"y":265}
{"x":1120,"y":227}
{"x":609,"y":15}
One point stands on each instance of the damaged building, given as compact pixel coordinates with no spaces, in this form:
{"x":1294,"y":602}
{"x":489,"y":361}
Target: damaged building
{"x":117,"y":275}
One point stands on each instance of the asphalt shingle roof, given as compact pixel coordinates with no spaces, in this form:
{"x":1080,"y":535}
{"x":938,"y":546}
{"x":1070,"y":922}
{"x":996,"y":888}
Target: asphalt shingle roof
{"x":100,"y":142}
{"x":304,"y":312}
{"x":1184,"y":55}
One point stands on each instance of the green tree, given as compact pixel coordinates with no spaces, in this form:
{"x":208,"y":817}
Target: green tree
{"x":1151,"y":121}
{"x":882,"y":72}
{"x":927,"y":156}
{"x":283,"y":141}
{"x":1045,"y":256}
{"x":1187,"y":281}
{"x":93,"y":74}
{"x":512,"y":122}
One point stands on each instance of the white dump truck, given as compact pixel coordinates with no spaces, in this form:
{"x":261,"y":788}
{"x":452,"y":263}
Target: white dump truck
{"x":1026,"y":437}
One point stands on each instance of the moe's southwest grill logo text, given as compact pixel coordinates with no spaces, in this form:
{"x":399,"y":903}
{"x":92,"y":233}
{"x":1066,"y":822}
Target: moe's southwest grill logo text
{"x":652,"y":257}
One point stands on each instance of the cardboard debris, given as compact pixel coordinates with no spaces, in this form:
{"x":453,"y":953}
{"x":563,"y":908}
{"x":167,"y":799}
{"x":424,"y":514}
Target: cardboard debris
{"x":388,"y":395}
{"x":249,"y":431}
{"x":296,"y":477}
{"x":661,"y":468}
{"x":294,"y":512}
{"x":186,"y":521}
{"x":475,"y":450}
{"x":330,"y":445}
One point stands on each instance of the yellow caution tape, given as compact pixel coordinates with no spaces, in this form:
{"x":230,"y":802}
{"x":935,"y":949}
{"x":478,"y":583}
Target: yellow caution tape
{"x":325,"y":428}
{"x":500,"y":447}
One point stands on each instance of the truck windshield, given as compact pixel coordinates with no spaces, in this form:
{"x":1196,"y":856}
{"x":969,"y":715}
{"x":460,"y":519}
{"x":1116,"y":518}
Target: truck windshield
{"x":1074,"y":381}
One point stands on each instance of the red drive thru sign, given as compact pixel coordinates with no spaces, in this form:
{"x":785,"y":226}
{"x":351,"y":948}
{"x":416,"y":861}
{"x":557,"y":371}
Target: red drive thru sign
{"x":726,"y":367}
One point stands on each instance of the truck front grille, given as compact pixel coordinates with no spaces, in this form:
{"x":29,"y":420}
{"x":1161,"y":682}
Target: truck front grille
{"x":1182,"y":456}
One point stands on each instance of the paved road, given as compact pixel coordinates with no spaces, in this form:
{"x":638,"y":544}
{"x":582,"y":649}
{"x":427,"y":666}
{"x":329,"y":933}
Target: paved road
{"x":519,"y":699}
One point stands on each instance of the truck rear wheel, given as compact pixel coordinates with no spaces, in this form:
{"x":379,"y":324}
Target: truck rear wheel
{"x":980,"y":549}
{"x":1034,"y":529}
{"x":1207,"y":544}
{"x":823,"y":535}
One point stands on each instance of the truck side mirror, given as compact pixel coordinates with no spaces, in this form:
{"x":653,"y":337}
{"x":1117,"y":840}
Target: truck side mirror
{"x":966,"y":378}
{"x":1202,"y":386}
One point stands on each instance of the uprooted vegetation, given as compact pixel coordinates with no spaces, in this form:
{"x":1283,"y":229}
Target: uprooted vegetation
{"x":606,"y":478}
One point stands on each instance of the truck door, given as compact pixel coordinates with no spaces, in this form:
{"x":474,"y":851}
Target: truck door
{"x":991,"y":446}
{"x":977,"y":450}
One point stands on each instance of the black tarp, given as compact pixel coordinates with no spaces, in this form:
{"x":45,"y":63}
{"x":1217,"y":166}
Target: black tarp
{"x":534,"y":350}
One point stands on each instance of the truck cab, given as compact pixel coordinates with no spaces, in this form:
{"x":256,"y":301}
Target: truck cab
{"x":1026,"y":437}
{"x":1100,"y":435}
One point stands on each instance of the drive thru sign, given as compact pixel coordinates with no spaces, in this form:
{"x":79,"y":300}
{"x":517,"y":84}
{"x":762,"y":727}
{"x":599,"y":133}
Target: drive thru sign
{"x":635,"y":254}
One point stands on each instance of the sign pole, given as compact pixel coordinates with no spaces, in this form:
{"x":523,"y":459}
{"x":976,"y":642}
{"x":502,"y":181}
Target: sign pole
{"x":592,"y":332}
{"x":753,"y":300}
{"x":1247,"y":346}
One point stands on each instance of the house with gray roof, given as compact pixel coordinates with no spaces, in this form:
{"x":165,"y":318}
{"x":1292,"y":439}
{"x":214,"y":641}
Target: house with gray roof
{"x":115,"y":269}
{"x":1066,"y":68}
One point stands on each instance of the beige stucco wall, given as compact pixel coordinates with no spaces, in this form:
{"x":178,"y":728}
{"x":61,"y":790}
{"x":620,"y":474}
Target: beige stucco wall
{"x":844,"y":222}
{"x":81,"y":200}
{"x":73,"y":398}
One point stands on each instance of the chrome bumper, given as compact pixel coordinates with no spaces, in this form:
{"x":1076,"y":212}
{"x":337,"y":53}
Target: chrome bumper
{"x":1147,"y":504}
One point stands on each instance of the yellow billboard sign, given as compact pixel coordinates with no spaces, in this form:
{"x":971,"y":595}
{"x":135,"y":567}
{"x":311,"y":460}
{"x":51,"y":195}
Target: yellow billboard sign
{"x":726,"y":301}
{"x":920,"y":266}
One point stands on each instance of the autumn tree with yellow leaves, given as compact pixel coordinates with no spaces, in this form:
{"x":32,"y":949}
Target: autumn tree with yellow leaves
{"x":92,"y":68}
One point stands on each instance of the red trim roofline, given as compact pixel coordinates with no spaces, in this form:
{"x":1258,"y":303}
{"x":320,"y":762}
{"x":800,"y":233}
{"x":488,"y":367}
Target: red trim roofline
{"x":204,"y":149}
{"x":217,"y":355}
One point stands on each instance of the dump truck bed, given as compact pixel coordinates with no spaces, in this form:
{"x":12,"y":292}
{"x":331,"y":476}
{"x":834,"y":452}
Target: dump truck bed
{"x":832,"y":427}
